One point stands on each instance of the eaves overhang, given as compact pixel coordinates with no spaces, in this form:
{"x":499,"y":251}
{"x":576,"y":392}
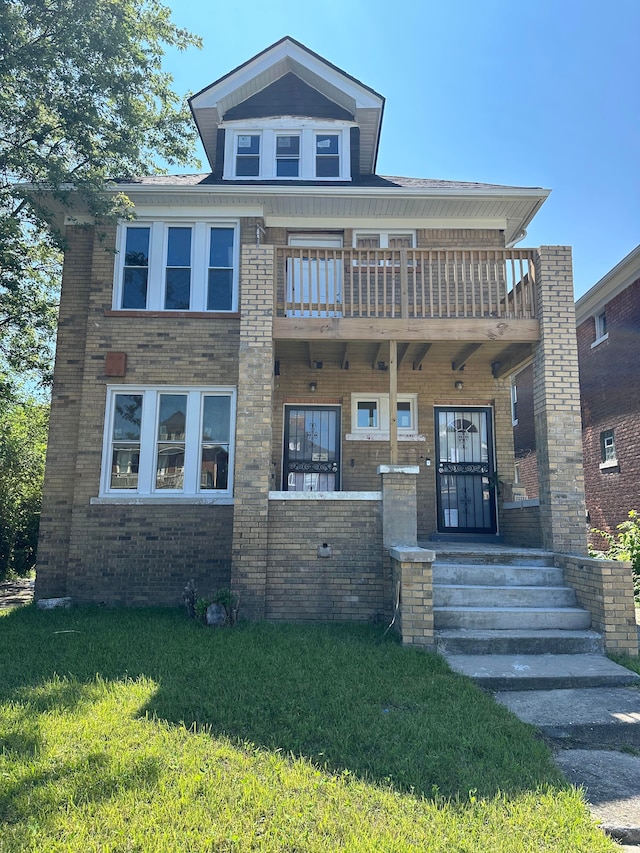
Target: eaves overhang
{"x":508,"y":208}
{"x":609,"y":286}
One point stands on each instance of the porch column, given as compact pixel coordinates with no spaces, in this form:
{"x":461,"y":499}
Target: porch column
{"x":393,"y":402}
{"x":556,"y":403}
{"x":399,"y":505}
{"x":253,"y":431}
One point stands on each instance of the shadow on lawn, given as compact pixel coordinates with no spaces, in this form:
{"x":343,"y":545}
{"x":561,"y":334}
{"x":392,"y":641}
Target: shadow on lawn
{"x":338,"y":695}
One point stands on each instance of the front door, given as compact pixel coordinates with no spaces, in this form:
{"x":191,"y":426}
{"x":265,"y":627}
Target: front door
{"x":311,"y":449}
{"x":465,"y":478}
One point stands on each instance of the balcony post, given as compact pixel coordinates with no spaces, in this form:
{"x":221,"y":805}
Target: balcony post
{"x":393,"y":402}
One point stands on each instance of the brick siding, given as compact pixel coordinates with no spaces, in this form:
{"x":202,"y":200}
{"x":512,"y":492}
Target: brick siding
{"x":610,"y":393}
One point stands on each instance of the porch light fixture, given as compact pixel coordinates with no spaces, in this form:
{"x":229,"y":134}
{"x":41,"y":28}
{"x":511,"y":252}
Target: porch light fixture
{"x":459,"y":385}
{"x":313,"y":386}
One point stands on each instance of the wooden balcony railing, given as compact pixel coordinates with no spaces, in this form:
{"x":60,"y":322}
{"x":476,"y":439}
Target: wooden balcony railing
{"x":405,"y":283}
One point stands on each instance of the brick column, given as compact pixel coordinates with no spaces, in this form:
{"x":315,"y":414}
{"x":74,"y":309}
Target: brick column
{"x":413,"y":594}
{"x":253,"y":431}
{"x":399,"y":505}
{"x":64,"y":423}
{"x":556,"y":403}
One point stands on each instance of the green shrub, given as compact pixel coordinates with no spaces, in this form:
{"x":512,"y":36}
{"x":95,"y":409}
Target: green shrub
{"x":625,"y":545}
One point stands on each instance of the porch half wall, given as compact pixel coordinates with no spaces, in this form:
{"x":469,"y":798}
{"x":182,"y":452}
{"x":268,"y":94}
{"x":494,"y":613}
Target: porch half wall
{"x":347,"y":580}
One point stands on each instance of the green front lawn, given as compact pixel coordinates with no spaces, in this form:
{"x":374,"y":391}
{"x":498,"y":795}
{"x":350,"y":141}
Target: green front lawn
{"x":139,"y":730}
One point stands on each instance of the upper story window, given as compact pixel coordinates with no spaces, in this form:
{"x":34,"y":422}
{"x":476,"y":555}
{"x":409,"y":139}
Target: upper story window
{"x":601,"y":328}
{"x":288,"y":155}
{"x":248,"y":155}
{"x":288,"y":149}
{"x":177,"y":267}
{"x":384,"y":240}
{"x":327,"y":155}
{"x":608,"y":446}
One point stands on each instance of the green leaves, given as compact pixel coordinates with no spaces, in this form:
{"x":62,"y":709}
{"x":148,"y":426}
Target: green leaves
{"x":83,"y":98}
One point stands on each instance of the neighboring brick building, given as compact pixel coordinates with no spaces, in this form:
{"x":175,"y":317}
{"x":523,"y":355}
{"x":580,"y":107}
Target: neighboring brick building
{"x":286,"y":354}
{"x":608,"y":335}
{"x":608,"y":330}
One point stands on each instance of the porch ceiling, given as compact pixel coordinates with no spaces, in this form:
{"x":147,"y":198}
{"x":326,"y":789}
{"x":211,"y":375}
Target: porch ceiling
{"x":499,"y":357}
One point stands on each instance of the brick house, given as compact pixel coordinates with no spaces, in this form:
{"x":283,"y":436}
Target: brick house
{"x":607,"y":329}
{"x":286,"y":366}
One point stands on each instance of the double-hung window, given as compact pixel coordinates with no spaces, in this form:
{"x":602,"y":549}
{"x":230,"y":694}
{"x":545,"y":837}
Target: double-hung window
{"x":177,"y":267}
{"x":168,"y":442}
{"x":287,"y":155}
{"x":248,"y":155}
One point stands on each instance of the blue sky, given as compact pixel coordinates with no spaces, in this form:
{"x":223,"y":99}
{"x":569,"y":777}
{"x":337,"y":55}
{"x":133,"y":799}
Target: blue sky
{"x":535,"y":93}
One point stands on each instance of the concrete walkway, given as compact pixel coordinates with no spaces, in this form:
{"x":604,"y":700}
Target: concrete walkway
{"x":16,"y":592}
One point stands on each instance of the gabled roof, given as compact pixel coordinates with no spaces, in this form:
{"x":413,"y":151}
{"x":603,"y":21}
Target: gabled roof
{"x":222,"y":99}
{"x":610,"y":285}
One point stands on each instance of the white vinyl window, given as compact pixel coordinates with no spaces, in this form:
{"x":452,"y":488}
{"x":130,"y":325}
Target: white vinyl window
{"x":287,"y":148}
{"x":601,"y":328}
{"x":177,"y":267}
{"x":370,"y":414}
{"x":384,"y":239}
{"x":169,"y":442}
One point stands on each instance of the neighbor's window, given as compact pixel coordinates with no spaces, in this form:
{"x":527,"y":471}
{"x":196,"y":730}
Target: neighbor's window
{"x":601,"y":328}
{"x":168,"y":442}
{"x":177,"y":267}
{"x":608,"y":446}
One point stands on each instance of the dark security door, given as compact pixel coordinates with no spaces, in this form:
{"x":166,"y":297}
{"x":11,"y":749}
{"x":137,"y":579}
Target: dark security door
{"x":312,"y":449}
{"x":465,"y":478}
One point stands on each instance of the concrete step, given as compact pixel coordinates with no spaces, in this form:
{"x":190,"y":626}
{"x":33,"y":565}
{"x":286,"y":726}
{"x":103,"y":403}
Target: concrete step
{"x":541,"y":672}
{"x":591,"y":717}
{"x":503,"y":596}
{"x":518,"y":642}
{"x":496,"y":574}
{"x":485,"y":556}
{"x":524,"y":618}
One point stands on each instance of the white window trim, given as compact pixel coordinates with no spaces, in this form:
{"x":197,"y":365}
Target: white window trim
{"x":269,"y":128}
{"x":158,"y":244}
{"x":383,"y":234}
{"x":146,"y":490}
{"x":381,"y":432}
{"x":600,"y":337}
{"x":514,"y":403}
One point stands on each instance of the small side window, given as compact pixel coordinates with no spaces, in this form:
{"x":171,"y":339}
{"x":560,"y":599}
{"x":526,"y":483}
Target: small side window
{"x":608,"y":446}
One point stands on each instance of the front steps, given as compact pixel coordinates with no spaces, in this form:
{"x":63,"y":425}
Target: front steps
{"x":505,"y":618}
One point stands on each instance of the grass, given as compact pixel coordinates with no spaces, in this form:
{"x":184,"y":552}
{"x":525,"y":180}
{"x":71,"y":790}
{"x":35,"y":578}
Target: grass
{"x":125,"y":730}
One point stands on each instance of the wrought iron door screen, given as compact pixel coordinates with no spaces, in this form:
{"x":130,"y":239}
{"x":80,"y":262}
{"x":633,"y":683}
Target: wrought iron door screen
{"x":465,"y":472}
{"x":312,"y":449}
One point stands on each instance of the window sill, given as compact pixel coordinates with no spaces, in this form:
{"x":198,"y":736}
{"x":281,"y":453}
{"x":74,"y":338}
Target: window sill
{"x":186,"y":315}
{"x":610,"y":465}
{"x":325,"y":496}
{"x":378,"y":435}
{"x":161,"y":500}
{"x":598,"y":341}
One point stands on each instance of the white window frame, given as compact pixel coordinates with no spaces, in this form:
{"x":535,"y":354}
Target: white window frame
{"x":146,"y":488}
{"x":381,"y":432}
{"x":157,"y":269}
{"x":600,"y":320}
{"x":269,"y":129}
{"x":514,"y":403}
{"x":384,"y":236}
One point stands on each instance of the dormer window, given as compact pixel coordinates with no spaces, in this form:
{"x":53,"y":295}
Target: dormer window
{"x":248,"y":155}
{"x":327,"y":155}
{"x":287,"y":148}
{"x":288,"y":156}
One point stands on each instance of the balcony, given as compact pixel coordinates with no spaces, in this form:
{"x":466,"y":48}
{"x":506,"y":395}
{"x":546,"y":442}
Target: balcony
{"x":405,"y":284}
